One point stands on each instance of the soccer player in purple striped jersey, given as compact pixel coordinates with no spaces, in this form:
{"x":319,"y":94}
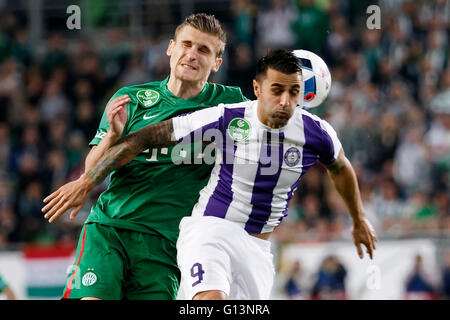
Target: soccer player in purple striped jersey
{"x":263,"y":149}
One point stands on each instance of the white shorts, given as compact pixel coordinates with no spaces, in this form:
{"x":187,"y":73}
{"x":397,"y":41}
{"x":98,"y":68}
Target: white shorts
{"x":217,"y":254}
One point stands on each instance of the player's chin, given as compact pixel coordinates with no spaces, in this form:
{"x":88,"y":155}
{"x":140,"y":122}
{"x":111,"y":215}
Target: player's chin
{"x":280,"y":119}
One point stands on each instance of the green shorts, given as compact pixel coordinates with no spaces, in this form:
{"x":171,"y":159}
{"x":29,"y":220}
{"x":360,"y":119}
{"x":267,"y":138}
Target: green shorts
{"x":113,"y":263}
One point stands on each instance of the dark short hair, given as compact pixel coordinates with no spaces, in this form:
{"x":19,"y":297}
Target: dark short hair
{"x":206,"y":23}
{"x":281,"y":60}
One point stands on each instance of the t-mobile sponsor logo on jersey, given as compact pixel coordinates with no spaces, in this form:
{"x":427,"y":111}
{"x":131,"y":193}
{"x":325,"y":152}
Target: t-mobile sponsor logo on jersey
{"x":238,"y":147}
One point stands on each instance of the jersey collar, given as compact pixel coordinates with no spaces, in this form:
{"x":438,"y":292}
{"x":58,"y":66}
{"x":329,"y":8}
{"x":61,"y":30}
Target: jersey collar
{"x":198,"y":98}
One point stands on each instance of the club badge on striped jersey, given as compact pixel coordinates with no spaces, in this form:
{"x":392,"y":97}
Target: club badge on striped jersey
{"x":292,"y":157}
{"x":239,"y":129}
{"x":147,"y":97}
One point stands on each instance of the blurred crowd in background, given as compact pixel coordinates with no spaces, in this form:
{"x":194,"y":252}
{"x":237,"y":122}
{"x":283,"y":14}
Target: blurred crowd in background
{"x":389,"y":103}
{"x":329,"y":281}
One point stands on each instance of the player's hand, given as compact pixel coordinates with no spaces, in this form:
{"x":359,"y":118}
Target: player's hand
{"x":71,"y":195}
{"x":364,"y":233}
{"x":116,"y":113}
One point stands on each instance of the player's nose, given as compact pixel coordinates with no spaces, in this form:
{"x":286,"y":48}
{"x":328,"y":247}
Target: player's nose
{"x":284,"y":99}
{"x":191,"y":54}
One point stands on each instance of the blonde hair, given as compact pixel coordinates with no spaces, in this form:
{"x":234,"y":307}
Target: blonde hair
{"x":208,"y":24}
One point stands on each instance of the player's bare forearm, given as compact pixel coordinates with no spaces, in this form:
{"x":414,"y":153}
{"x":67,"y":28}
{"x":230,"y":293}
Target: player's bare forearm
{"x":127,"y":148}
{"x":346,"y":183}
{"x":73,"y":195}
{"x":98,"y":151}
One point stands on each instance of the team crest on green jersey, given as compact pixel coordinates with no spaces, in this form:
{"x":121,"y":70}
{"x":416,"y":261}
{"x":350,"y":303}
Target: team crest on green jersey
{"x":239,"y":129}
{"x":147,"y":97}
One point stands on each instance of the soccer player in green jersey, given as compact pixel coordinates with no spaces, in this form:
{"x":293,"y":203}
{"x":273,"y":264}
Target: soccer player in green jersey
{"x":127,"y":248}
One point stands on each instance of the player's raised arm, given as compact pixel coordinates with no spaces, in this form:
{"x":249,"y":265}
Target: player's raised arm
{"x":116,"y":114}
{"x":127,"y":148}
{"x":74,"y":194}
{"x":346,"y":183}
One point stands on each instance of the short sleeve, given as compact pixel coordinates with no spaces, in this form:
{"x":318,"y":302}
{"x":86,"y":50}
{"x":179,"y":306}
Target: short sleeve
{"x":104,"y":124}
{"x":331,"y":146}
{"x":195,"y":125}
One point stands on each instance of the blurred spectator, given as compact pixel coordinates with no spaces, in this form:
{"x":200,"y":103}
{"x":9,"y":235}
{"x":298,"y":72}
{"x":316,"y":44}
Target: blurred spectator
{"x":85,"y":119}
{"x":330,"y":283}
{"x":420,"y":214}
{"x":57,"y":169}
{"x":29,"y":209}
{"x":34,"y":85}
{"x":5,"y":147}
{"x":9,"y":226}
{"x":388,"y":207}
{"x":116,"y":55}
{"x":293,"y":287}
{"x":411,"y":162}
{"x":446,"y":276}
{"x":338,"y":42}
{"x":244,"y":14}
{"x":310,"y":26}
{"x":155,"y":58}
{"x":274,"y":25}
{"x":242,"y":66}
{"x":418,"y":286}
{"x":54,"y":103}
{"x":57,"y":134}
{"x":56,"y":55}
{"x":10,"y":91}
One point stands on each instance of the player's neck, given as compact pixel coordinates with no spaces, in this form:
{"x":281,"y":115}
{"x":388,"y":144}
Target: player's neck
{"x":185,"y":89}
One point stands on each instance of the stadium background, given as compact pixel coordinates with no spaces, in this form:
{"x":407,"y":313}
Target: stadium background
{"x":389,"y":103}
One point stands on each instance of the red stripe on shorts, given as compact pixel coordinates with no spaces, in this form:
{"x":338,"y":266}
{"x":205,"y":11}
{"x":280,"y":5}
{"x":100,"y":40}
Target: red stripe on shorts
{"x":69,"y":283}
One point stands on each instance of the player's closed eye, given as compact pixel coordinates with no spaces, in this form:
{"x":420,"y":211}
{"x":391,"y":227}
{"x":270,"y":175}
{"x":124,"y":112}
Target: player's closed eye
{"x":277,"y":92}
{"x":204,"y":49}
{"x":186,"y":44}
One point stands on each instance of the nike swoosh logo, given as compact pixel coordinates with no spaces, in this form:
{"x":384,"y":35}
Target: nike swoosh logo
{"x":149,"y":117}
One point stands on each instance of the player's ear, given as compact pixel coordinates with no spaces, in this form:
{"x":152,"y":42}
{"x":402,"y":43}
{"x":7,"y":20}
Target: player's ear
{"x":256,"y":88}
{"x":217,"y":65}
{"x":169,"y":48}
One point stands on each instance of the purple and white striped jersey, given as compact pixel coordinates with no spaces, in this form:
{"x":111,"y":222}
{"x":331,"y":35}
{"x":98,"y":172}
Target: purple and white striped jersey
{"x":257,"y":168}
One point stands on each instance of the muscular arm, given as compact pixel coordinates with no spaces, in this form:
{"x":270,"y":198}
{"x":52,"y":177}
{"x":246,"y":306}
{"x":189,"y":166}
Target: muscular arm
{"x":346,"y":183}
{"x":74,"y":194}
{"x":128,"y":147}
{"x":98,"y":151}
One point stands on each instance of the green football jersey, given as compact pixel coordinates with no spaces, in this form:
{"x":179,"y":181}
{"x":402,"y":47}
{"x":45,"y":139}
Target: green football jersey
{"x":152,"y":193}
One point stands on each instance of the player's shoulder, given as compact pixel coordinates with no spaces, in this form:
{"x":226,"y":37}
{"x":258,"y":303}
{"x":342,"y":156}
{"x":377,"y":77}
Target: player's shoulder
{"x":305,"y":113}
{"x":313,"y":122}
{"x":308,"y":116}
{"x":144,"y":94}
{"x":230,"y":93}
{"x":242,"y":104}
{"x":133,"y":89}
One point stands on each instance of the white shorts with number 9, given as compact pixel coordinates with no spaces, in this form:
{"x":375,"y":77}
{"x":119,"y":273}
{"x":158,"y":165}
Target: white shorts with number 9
{"x":217,"y":254}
